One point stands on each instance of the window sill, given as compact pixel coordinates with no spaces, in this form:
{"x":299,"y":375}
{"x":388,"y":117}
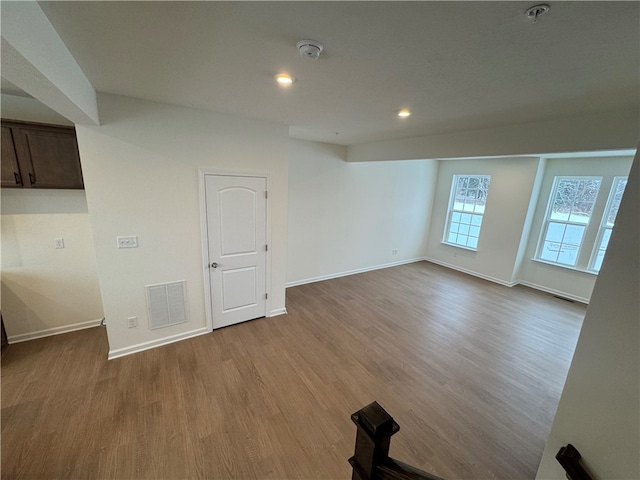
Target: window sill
{"x":459,"y":246}
{"x":568,"y":267}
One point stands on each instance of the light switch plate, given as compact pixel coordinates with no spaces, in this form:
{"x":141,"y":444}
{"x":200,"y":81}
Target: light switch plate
{"x":127,"y":242}
{"x":58,"y":242}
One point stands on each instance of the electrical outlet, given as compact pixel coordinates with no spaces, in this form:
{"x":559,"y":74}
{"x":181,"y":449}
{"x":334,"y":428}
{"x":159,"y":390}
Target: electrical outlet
{"x":394,"y":251}
{"x":58,"y":242}
{"x":132,"y":322}
{"x":127,"y":242}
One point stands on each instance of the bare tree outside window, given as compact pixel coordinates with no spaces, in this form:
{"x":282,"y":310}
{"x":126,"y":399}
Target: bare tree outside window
{"x":608,"y":221}
{"x":569,"y":213}
{"x":466,"y":209}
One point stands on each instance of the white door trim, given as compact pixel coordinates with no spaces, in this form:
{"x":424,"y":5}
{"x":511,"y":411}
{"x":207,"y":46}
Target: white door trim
{"x":202,"y":173}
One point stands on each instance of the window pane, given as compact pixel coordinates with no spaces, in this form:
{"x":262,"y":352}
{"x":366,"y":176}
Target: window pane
{"x":597,"y":264}
{"x":550,"y":251}
{"x":587,"y":190}
{"x":604,"y":242}
{"x":555,"y":232}
{"x":568,"y":254}
{"x":468,"y":203}
{"x":608,"y":221}
{"x":606,"y":235}
{"x":573,"y":235}
{"x":570,"y":208}
{"x":619,"y":187}
{"x":580,"y":212}
{"x":561,"y":208}
{"x":461,"y":194}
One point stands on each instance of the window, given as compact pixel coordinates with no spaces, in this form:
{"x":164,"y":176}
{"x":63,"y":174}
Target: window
{"x":466,"y":208}
{"x":568,"y":214}
{"x":608,"y":220}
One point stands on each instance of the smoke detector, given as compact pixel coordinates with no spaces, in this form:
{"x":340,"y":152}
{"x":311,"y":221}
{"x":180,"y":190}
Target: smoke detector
{"x":309,"y":49}
{"x":533,"y":13}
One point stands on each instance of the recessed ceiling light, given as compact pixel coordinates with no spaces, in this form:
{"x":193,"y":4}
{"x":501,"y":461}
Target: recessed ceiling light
{"x":404,"y":113}
{"x":284,"y":79}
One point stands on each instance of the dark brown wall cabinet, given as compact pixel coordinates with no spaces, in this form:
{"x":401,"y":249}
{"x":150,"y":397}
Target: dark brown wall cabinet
{"x":35,"y":155}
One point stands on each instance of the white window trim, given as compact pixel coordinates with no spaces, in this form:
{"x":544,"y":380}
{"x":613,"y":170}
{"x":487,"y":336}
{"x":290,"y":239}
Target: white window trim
{"x":603,"y":227}
{"x":451,"y":210}
{"x":562,"y":265}
{"x":547,"y":219}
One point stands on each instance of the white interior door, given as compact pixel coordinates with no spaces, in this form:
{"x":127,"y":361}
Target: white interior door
{"x":236,"y":232}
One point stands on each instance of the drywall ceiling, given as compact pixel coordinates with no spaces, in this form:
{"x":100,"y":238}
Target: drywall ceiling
{"x":8,"y":88}
{"x":456,"y":65}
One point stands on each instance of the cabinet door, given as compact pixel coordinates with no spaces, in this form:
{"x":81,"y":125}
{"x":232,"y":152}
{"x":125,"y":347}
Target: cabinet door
{"x":48,"y":157}
{"x":10,"y":171}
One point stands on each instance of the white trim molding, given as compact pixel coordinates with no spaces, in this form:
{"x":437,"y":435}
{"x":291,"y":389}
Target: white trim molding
{"x":140,"y":347}
{"x":202,"y":173}
{"x":277,"y":311}
{"x":353,"y":272}
{"x":471,"y":272}
{"x":552,"y":291}
{"x":23,"y":337}
{"x":511,"y":284}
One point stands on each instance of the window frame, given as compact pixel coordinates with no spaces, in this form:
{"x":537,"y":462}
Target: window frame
{"x":451,"y":210}
{"x":603,"y":222}
{"x":547,"y":220}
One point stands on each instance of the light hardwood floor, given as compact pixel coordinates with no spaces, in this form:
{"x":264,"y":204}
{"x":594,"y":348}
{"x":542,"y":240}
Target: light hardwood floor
{"x":472,"y":371}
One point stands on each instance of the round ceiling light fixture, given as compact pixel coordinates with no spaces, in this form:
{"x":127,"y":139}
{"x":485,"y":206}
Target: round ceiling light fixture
{"x":309,"y":49}
{"x":404,"y":113}
{"x":284,"y":79}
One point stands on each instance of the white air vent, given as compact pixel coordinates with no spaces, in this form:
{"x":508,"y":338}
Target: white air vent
{"x":166,"y":304}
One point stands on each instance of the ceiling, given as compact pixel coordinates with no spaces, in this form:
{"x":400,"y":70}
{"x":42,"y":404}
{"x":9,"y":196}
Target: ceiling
{"x":456,"y":65}
{"x":9,"y":88}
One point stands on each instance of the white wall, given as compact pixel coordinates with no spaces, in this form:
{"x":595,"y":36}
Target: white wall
{"x":47,"y":290}
{"x":512,"y":181}
{"x":44,"y":290}
{"x":141,"y":178}
{"x":28,"y":109}
{"x":574,"y":284}
{"x":600,"y":131}
{"x":516,"y":206}
{"x":346,"y":217}
{"x":599,"y":411}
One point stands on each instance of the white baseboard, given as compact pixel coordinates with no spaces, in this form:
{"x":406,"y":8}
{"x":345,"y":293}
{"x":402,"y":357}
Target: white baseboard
{"x":511,"y":284}
{"x":352,"y":272}
{"x":555,"y":292}
{"x":140,"y":347}
{"x":23,"y":337}
{"x":277,"y":311}
{"x":471,"y":272}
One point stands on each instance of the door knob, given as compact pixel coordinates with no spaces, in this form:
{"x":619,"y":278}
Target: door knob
{"x":214,"y":265}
